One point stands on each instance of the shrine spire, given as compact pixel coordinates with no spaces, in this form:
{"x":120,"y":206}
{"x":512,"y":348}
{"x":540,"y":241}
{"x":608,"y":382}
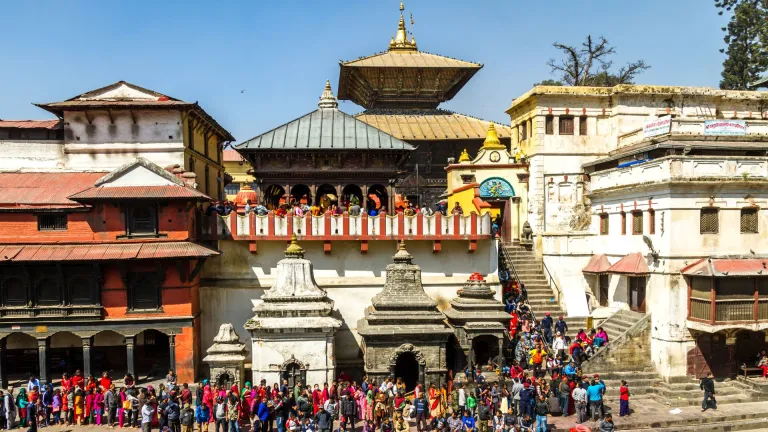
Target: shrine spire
{"x":327,"y":99}
{"x":492,"y":140}
{"x":400,"y":42}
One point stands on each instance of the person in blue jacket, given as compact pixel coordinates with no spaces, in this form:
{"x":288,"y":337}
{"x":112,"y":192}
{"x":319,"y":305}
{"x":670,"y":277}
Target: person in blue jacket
{"x":468,"y":421}
{"x":202,"y":417}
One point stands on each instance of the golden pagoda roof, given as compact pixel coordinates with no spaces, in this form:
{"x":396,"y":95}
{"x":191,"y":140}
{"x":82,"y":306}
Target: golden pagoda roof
{"x":430,"y":124}
{"x":412,"y":59}
{"x":492,"y":139}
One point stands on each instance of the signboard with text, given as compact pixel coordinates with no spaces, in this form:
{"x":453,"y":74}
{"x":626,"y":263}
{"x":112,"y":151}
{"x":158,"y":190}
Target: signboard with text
{"x":725,"y":127}
{"x":659,"y":126}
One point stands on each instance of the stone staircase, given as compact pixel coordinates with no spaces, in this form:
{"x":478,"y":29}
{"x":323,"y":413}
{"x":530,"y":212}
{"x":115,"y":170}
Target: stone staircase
{"x":541,"y":296}
{"x":628,"y":345}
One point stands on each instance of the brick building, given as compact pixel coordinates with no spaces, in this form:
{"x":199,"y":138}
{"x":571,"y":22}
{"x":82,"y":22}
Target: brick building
{"x":99,"y":272}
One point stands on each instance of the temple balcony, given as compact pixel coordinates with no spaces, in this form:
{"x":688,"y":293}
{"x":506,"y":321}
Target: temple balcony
{"x":364,"y":228}
{"x":681,"y":168}
{"x":718,"y":303}
{"x":50,"y":313}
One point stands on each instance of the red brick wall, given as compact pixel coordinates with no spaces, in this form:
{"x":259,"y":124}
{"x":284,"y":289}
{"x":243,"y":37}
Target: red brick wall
{"x":185,"y":354}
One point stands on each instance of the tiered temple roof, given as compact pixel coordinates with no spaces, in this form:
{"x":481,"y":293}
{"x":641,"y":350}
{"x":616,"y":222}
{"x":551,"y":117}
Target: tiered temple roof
{"x":475,"y":307}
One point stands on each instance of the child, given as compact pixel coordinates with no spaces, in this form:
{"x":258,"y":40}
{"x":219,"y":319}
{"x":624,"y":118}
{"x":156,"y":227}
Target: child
{"x":187,"y":418}
{"x":71,"y":407}
{"x":623,"y":399}
{"x":79,"y":407}
{"x":202,"y":417}
{"x":88,"y":406}
{"x":56,"y":407}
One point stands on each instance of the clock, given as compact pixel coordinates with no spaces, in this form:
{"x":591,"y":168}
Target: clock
{"x":495,"y":156}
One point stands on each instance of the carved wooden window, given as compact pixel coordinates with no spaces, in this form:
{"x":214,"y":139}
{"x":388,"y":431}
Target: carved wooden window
{"x":749,"y":220}
{"x":623,"y":223}
{"x":583,"y":125}
{"x":14,"y":291}
{"x":549,"y":125}
{"x":48,"y":291}
{"x":143,"y":291}
{"x":651,"y":221}
{"x":80,"y":289}
{"x":604,"y":224}
{"x":566,"y":125}
{"x":637,"y":222}
{"x":141,"y":220}
{"x":709,"y":220}
{"x":523,"y":130}
{"x":52,"y":222}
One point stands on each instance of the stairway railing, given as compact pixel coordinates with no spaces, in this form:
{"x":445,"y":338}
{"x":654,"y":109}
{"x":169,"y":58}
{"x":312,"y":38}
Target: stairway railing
{"x":552,"y":283}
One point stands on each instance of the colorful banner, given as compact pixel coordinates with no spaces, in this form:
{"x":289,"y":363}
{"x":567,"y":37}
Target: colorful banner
{"x":659,"y":126}
{"x":725,"y":127}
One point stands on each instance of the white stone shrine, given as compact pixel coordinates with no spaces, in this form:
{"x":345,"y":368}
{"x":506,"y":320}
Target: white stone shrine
{"x":293,"y":329}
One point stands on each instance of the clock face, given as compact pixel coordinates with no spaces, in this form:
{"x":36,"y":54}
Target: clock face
{"x":495,"y":156}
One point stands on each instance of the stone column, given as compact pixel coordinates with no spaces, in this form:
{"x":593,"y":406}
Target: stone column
{"x":42,"y":358}
{"x":172,"y":343}
{"x":501,"y":351}
{"x":86,"y":356}
{"x":129,"y":343}
{"x":3,"y":373}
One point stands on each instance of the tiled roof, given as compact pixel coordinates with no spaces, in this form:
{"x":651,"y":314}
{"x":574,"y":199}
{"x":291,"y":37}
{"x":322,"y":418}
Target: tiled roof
{"x":414,"y":59}
{"x":138,"y":192}
{"x":598,"y":264}
{"x":325,"y":129}
{"x":31,"y":124}
{"x":103,"y":252}
{"x":43,"y":190}
{"x":633,"y":263}
{"x":727,"y":267}
{"x":429,"y":124}
{"x":232,"y":156}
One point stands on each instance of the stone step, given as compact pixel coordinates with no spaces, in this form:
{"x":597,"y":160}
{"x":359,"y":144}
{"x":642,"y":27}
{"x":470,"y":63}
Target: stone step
{"x":726,"y":426}
{"x":629,"y":376}
{"x":721,"y":400}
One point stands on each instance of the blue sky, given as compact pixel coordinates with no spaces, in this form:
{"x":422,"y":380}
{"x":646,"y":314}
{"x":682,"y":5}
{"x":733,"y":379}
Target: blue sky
{"x":257,"y":64}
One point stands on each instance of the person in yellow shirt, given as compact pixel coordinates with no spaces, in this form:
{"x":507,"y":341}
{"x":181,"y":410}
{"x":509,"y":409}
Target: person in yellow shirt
{"x":538,"y":357}
{"x":79,"y":407}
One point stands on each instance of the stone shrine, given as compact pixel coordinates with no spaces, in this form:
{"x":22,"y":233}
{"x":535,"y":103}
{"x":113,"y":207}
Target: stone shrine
{"x":404,"y":334}
{"x":479,"y":321}
{"x":293,"y":329}
{"x":226,"y":357}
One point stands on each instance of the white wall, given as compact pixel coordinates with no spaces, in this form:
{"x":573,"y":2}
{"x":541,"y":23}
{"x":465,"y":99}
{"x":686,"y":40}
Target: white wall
{"x":31,"y":155}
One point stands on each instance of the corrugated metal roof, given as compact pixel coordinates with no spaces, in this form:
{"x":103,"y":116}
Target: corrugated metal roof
{"x":414,"y":59}
{"x":31,"y":124}
{"x":138,"y":192}
{"x":727,"y":267}
{"x":104,"y":252}
{"x":43,"y":190}
{"x":598,"y":264}
{"x":633,"y":263}
{"x":429,"y":124}
{"x":326,"y":129}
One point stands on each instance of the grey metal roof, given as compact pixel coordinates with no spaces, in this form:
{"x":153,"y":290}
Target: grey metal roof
{"x":325,"y":129}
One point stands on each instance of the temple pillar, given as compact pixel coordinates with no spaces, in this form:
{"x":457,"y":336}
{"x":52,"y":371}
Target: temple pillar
{"x":86,"y":356}
{"x":42,"y":358}
{"x":172,"y":343}
{"x":501,"y":352}
{"x":129,"y":346}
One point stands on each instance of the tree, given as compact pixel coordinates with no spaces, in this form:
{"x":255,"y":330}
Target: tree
{"x":747,"y":38}
{"x":548,"y":82}
{"x":589,"y":65}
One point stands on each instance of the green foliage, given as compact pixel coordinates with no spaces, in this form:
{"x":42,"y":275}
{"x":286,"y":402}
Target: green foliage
{"x":747,"y":38}
{"x":548,"y":82}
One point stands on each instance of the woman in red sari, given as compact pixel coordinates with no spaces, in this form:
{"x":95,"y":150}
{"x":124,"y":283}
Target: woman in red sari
{"x":434,"y":401}
{"x":316,"y":397}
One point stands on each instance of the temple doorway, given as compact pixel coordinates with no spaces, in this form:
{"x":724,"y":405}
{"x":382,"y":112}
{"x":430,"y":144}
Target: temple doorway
{"x":225,"y":380}
{"x":108,"y":353}
{"x":274,"y":195}
{"x":407,"y":368}
{"x":350,"y":193}
{"x":21,"y":356}
{"x":301,"y":194}
{"x":486,"y":349}
{"x":325,"y":197}
{"x":293,"y":373}
{"x":153,"y":354}
{"x":65,"y":353}
{"x":377,"y":197}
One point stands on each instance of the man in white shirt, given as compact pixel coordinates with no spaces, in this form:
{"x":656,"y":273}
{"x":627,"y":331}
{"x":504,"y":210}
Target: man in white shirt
{"x":580,"y":399}
{"x":462,"y":400}
{"x":32,"y":383}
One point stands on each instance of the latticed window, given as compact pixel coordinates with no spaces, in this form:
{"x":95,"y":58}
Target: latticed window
{"x":583,"y":125}
{"x":709,"y":220}
{"x":749,"y":220}
{"x":637,"y":222}
{"x":549,"y":125}
{"x":54,"y":222}
{"x":604,"y":224}
{"x":566,"y":125}
{"x":523,"y":130}
{"x":651,"y":221}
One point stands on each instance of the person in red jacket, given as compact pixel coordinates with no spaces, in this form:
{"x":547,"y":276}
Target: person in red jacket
{"x":77,"y":380}
{"x":623,"y":399}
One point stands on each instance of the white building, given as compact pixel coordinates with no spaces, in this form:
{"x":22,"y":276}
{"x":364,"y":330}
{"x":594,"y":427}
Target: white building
{"x":655,"y":179}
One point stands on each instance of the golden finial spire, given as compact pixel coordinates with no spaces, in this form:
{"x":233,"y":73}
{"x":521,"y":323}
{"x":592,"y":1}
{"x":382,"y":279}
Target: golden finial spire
{"x":400,"y":42}
{"x":492,"y":140}
{"x":327,"y":99}
{"x":294,"y":249}
{"x":464,"y":157}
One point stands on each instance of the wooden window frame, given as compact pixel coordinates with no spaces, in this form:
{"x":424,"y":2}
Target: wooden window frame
{"x":549,"y":125}
{"x":561,"y":125}
{"x":749,"y":210}
{"x":583,"y":130}
{"x":623,"y":222}
{"x":54,"y":223}
{"x":710,"y":210}
{"x":524,"y":130}
{"x":132,"y":280}
{"x":651,"y":221}
{"x":130,"y":231}
{"x":637,"y":226}
{"x":604,"y":223}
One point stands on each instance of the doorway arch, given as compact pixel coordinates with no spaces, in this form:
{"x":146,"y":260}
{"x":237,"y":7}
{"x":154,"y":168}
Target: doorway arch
{"x":485,"y":348}
{"x":325,"y":196}
{"x":301,"y":194}
{"x":350,"y":191}
{"x":274,"y":195}
{"x":109,"y":354}
{"x":65,"y":353}
{"x":21,"y":356}
{"x":407,"y":368}
{"x":377,"y":197}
